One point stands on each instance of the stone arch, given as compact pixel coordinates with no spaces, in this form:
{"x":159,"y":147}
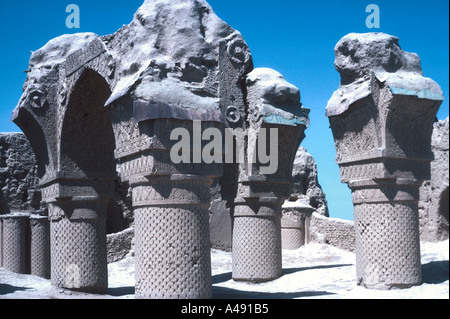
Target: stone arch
{"x":87,"y":138}
{"x":87,"y":173}
{"x":35,"y":134}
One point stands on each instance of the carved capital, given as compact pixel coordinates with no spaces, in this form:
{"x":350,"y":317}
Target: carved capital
{"x":382,"y":116}
{"x":384,"y":191}
{"x":68,"y":186}
{"x":175,"y":190}
{"x":78,"y":208}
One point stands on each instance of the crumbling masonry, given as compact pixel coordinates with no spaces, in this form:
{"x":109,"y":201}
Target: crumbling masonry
{"x":382,"y":119}
{"x":97,"y":109}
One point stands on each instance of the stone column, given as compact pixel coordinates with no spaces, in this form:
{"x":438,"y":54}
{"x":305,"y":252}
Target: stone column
{"x":172,"y":246}
{"x":293,"y":220}
{"x":264,"y":183}
{"x":78,"y":244}
{"x":382,"y":119}
{"x":15,"y":243}
{"x":40,"y":246}
{"x":78,"y":232}
{"x":387,"y":234}
{"x":170,"y":201}
{"x":257,"y":241}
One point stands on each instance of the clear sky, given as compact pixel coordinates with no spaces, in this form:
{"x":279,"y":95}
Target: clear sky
{"x":294,"y":37}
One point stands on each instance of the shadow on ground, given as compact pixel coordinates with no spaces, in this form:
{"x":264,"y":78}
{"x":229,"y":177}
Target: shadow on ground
{"x":6,"y":289}
{"x":216,"y":279}
{"x":121,"y":291}
{"x":230,"y":293}
{"x":435,"y":272}
{"x":288,"y":271}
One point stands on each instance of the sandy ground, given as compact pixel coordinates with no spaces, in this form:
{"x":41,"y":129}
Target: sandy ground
{"x":311,"y":272}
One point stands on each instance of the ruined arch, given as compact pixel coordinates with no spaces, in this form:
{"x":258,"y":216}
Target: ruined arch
{"x":87,"y":138}
{"x":85,"y":186}
{"x":35,"y":134}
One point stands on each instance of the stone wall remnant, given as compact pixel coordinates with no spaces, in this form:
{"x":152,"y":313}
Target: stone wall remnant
{"x":382,"y":119}
{"x":19,"y":183}
{"x":336,"y":232}
{"x":434,"y":194}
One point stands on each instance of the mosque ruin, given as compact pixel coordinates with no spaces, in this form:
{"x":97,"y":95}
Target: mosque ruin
{"x":99,"y":112}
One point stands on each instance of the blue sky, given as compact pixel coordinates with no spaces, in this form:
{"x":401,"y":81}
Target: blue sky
{"x":294,"y":37}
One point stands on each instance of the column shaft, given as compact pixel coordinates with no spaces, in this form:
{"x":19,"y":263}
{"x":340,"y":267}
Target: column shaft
{"x":257,"y":242}
{"x":172,"y":250}
{"x":40,"y":246}
{"x":78,"y":259}
{"x":387,"y":240}
{"x":292,"y":230}
{"x":173,"y":253}
{"x":78,"y":245}
{"x":15,"y":243}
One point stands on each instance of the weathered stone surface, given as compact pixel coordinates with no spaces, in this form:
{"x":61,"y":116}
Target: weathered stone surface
{"x":336,"y":232}
{"x":21,"y":191}
{"x":171,"y":47}
{"x":220,"y":225}
{"x":119,"y":244}
{"x":307,"y":197}
{"x":273,"y":96}
{"x":382,"y":119}
{"x":275,"y":116}
{"x":434,"y":194}
{"x":305,"y":185}
{"x":362,"y":58}
{"x":19,"y":183}
{"x":306,"y":181}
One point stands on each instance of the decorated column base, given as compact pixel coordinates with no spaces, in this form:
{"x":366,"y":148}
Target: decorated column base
{"x":15,"y":243}
{"x":172,"y":249}
{"x":293,"y":224}
{"x":78,"y":244}
{"x":387,"y":257}
{"x":40,"y":246}
{"x":257,"y":241}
